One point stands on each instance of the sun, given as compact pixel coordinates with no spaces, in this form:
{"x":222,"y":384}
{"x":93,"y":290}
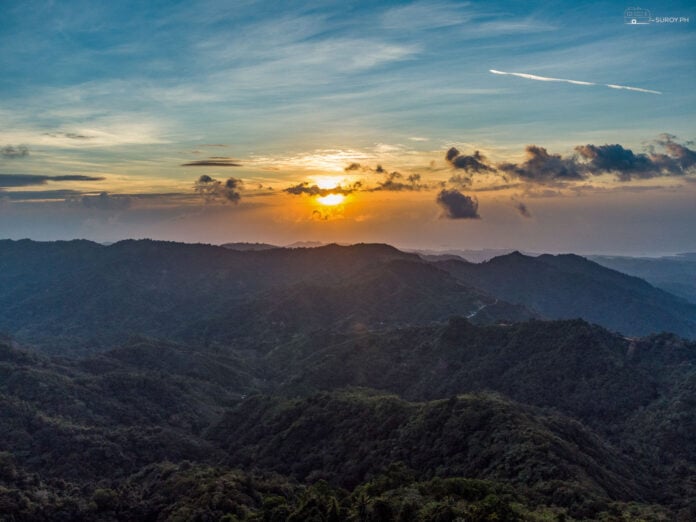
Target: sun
{"x":331,"y":199}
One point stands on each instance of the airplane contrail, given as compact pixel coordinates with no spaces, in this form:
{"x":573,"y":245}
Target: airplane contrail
{"x":574,"y":82}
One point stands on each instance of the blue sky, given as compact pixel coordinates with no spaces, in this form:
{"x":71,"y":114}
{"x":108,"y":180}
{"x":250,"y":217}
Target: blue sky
{"x":129,"y":91}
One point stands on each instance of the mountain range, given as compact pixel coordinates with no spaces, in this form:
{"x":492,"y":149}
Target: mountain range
{"x":56,"y":296}
{"x":163,"y":381}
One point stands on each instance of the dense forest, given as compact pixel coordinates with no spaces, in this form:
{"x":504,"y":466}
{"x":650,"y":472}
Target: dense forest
{"x":160,"y":381}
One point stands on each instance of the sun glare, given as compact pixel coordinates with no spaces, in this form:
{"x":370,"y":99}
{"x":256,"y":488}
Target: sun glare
{"x":331,"y":199}
{"x":326,"y":182}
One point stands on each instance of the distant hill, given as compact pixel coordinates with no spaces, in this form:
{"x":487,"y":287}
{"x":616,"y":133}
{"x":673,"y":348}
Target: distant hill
{"x":473,"y":256}
{"x":245,"y":247}
{"x":675,"y":274}
{"x":570,"y":286}
{"x":306,"y":244}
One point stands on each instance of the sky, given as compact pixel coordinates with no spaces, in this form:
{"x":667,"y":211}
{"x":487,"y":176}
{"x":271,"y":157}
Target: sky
{"x":556,"y":127}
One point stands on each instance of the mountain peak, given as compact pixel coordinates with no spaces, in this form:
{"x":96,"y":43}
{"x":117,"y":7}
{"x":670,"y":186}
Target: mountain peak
{"x":513,"y":257}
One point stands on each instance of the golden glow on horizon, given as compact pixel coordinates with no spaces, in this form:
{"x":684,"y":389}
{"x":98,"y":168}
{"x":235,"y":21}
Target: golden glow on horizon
{"x":331,"y":199}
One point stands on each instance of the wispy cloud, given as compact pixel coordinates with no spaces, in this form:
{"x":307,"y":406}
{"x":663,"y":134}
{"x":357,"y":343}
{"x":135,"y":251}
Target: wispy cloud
{"x":11,"y":152}
{"x":28,"y":180}
{"x":213,"y":162}
{"x":574,"y":82}
{"x":87,"y":131}
{"x":425,"y":15}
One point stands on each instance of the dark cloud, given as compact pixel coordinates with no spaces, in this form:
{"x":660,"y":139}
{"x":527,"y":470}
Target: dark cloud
{"x":74,"y":177}
{"x":353,"y":167}
{"x":671,"y":158}
{"x":600,"y":159}
{"x":679,"y":155}
{"x":28,"y":180}
{"x":314,"y":190}
{"x":216,"y":161}
{"x":460,"y":180}
{"x":230,"y":189}
{"x":393,"y":182}
{"x":541,"y":166}
{"x":212,"y":189}
{"x":11,"y":152}
{"x":106,"y":201}
{"x":451,"y":154}
{"x":476,"y":163}
{"x":523,"y":210}
{"x":457,"y":205}
{"x":70,"y":135}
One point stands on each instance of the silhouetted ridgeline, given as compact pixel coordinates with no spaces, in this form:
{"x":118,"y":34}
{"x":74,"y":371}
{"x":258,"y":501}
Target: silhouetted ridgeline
{"x":569,"y":286}
{"x":78,"y":296}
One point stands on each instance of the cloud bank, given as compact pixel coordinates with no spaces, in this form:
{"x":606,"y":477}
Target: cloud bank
{"x":665,"y":157}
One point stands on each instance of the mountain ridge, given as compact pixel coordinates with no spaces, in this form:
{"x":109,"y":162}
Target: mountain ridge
{"x":56,"y":295}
